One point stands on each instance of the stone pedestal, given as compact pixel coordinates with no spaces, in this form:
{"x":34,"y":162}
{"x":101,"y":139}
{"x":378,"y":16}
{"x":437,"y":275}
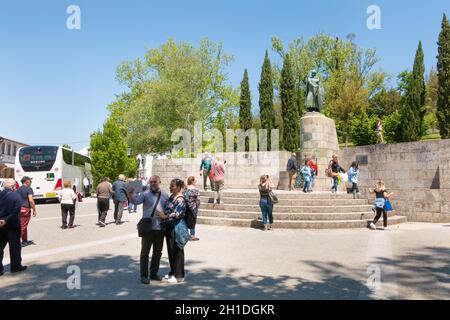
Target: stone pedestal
{"x":318,"y":138}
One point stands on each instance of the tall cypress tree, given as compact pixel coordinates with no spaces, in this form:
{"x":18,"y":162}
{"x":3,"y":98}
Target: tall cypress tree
{"x":266,"y":110}
{"x":245,"y":104}
{"x":289,"y":109}
{"x":413,"y":110}
{"x":443,"y":69}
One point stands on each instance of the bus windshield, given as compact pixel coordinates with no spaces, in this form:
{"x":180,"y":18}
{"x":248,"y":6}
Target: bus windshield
{"x":37,"y":158}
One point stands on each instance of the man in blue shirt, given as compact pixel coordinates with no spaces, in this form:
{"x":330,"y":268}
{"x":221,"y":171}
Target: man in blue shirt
{"x":10,"y":204}
{"x":156,"y":237}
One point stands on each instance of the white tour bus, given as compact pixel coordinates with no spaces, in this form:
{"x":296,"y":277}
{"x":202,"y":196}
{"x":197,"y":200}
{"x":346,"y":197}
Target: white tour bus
{"x":49,"y":167}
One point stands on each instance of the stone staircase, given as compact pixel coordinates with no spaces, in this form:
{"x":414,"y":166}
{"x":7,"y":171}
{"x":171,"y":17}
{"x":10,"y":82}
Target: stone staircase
{"x":295,"y":209}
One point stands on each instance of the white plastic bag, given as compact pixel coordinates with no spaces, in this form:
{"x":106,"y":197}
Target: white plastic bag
{"x":344,"y":177}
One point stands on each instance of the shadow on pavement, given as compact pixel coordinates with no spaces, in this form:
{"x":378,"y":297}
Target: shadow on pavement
{"x":117,"y":277}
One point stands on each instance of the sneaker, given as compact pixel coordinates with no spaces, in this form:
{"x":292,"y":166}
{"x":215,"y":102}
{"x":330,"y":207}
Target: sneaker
{"x":145,"y":280}
{"x":372,"y":226}
{"x":21,"y":268}
{"x":102,"y":224}
{"x":63,"y":227}
{"x":167,"y":277}
{"x":71,"y":227}
{"x":172,"y":279}
{"x":270,"y":227}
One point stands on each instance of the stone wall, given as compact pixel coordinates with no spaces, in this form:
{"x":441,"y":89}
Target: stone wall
{"x":242,"y":169}
{"x":418,"y":173}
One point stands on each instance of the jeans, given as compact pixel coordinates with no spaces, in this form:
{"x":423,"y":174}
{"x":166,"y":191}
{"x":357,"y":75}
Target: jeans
{"x":67,"y":208}
{"x":266,"y":206}
{"x":306,"y":188}
{"x":354,"y":188}
{"x":192,"y":231}
{"x":132,"y":207}
{"x":335,"y":184}
{"x":312,"y":181}
{"x":155,"y":238}
{"x":292,"y":173}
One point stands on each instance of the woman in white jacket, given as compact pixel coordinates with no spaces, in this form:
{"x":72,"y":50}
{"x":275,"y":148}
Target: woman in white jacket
{"x":67,"y":197}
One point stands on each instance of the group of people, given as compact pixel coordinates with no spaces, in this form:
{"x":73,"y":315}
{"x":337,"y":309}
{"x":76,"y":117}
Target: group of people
{"x":168,"y":214}
{"x":214,"y":170}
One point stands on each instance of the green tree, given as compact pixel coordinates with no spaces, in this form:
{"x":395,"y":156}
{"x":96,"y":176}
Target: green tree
{"x":341,"y":63}
{"x":245,"y":107}
{"x":266,"y":109}
{"x":443,"y":69}
{"x":172,"y":87}
{"x":364,"y":130}
{"x":413,"y":110}
{"x":291,"y":121}
{"x":384,"y":102}
{"x":67,"y":146}
{"x":109,"y":153}
{"x":393,"y":127}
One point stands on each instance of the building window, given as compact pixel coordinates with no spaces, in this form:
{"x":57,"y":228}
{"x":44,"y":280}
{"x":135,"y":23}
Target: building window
{"x":15,"y":151}
{"x":9,"y":149}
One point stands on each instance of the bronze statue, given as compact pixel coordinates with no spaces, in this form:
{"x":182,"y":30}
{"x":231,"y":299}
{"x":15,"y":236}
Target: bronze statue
{"x":315,"y":92}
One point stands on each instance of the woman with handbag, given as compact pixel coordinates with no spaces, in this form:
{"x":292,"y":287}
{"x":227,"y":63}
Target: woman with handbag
{"x":177,"y":233}
{"x":265,"y":202}
{"x":333,"y":171}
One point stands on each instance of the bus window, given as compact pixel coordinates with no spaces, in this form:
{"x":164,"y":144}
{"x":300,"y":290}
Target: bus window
{"x":37,"y":158}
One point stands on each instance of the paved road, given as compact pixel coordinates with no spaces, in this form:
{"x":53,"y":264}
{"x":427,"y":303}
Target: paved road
{"x":409,"y":261}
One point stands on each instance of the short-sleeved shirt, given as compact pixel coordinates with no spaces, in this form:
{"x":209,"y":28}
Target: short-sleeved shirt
{"x":24,"y":191}
{"x":148,"y":198}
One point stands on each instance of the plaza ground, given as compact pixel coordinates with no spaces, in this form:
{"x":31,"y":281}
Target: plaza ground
{"x":408,"y":261}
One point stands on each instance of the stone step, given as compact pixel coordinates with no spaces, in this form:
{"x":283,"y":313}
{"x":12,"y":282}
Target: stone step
{"x":281,"y":216}
{"x":313,"y":224}
{"x":291,"y":202}
{"x":290,"y":209}
{"x":281,"y":195}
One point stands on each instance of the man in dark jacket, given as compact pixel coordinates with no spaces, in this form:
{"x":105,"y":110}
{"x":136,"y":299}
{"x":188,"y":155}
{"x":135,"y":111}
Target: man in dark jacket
{"x":120,"y":198}
{"x":292,"y":168}
{"x":10,"y":204}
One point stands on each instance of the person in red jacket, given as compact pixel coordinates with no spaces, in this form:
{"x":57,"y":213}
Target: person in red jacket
{"x":314,"y":172}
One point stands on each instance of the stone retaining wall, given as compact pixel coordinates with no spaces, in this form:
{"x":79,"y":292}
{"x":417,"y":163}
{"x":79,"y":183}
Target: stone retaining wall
{"x":418,"y":173}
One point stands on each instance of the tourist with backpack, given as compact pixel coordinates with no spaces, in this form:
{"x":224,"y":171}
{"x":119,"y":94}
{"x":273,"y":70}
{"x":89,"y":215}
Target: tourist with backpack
{"x":177,"y":233}
{"x":333,"y":171}
{"x":205,"y":168}
{"x":192,"y":196}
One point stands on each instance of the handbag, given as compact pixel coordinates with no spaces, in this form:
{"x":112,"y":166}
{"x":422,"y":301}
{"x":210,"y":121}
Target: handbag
{"x":145,"y":225}
{"x":273,"y":197}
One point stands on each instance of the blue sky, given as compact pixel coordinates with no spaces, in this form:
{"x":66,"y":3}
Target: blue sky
{"x":55,"y":83}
